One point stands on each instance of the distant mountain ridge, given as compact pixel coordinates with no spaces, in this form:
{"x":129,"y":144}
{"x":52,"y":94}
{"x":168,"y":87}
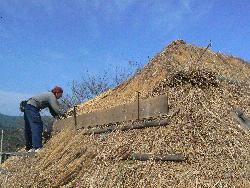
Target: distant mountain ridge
{"x":10,"y":122}
{"x":13,"y":131}
{"x":17,"y":122}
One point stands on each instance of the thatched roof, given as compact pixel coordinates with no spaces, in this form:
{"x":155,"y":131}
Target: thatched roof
{"x":205,"y":85}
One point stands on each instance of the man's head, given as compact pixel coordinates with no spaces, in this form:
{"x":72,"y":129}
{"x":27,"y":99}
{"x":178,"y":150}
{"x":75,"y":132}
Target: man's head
{"x":58,"y":91}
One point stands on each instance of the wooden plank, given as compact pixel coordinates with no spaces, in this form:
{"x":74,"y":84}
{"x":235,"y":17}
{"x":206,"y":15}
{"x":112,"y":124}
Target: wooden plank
{"x":64,"y":123}
{"x":148,"y":108}
{"x":154,"y":106}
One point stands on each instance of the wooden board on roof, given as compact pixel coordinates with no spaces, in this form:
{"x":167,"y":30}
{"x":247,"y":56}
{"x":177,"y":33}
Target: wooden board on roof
{"x":151,"y":107}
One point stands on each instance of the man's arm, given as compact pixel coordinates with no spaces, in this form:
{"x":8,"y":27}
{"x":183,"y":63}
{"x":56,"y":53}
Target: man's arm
{"x":52,"y":112}
{"x":54,"y":107}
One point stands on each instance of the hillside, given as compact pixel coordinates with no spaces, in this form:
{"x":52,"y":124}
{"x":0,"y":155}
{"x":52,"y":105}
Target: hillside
{"x":13,"y":131}
{"x":12,"y":127}
{"x":9,"y":122}
{"x":205,"y":85}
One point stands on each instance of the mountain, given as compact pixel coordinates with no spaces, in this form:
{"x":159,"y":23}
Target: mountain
{"x":12,"y":127}
{"x":17,"y":122}
{"x":13,"y":132}
{"x":10,"y":122}
{"x":206,"y":86}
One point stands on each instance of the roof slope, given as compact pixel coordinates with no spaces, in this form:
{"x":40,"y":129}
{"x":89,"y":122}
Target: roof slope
{"x":205,"y":85}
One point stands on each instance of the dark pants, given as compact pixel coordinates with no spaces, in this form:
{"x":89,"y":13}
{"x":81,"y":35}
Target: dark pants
{"x":33,"y":127}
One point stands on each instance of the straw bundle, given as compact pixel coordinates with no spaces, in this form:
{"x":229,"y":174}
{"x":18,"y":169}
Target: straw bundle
{"x":216,"y":147}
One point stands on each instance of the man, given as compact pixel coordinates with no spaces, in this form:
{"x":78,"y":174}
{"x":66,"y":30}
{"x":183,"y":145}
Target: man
{"x":33,"y":122}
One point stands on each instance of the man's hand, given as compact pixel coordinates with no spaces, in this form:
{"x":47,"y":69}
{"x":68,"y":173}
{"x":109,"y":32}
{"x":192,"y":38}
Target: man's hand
{"x":61,"y":116}
{"x":64,"y":116}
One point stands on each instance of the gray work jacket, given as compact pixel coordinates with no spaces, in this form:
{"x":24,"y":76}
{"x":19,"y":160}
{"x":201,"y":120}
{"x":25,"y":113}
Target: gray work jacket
{"x":46,"y":100}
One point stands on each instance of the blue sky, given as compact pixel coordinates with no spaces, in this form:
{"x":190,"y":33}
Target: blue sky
{"x":44,"y":43}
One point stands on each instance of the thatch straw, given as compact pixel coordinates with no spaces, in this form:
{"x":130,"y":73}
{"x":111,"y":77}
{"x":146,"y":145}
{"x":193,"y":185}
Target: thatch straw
{"x":216,"y":146}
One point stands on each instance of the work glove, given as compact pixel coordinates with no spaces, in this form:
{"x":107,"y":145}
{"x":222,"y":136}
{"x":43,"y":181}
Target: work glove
{"x":61,"y":116}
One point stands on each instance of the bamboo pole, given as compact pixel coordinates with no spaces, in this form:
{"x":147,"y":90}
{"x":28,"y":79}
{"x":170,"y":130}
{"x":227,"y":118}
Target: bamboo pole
{"x":241,"y":118}
{"x":129,"y":127}
{"x":138,"y":105}
{"x":146,"y":157}
{"x":17,"y":153}
{"x":1,"y":156}
{"x":75,"y":122}
{"x":4,"y":171}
